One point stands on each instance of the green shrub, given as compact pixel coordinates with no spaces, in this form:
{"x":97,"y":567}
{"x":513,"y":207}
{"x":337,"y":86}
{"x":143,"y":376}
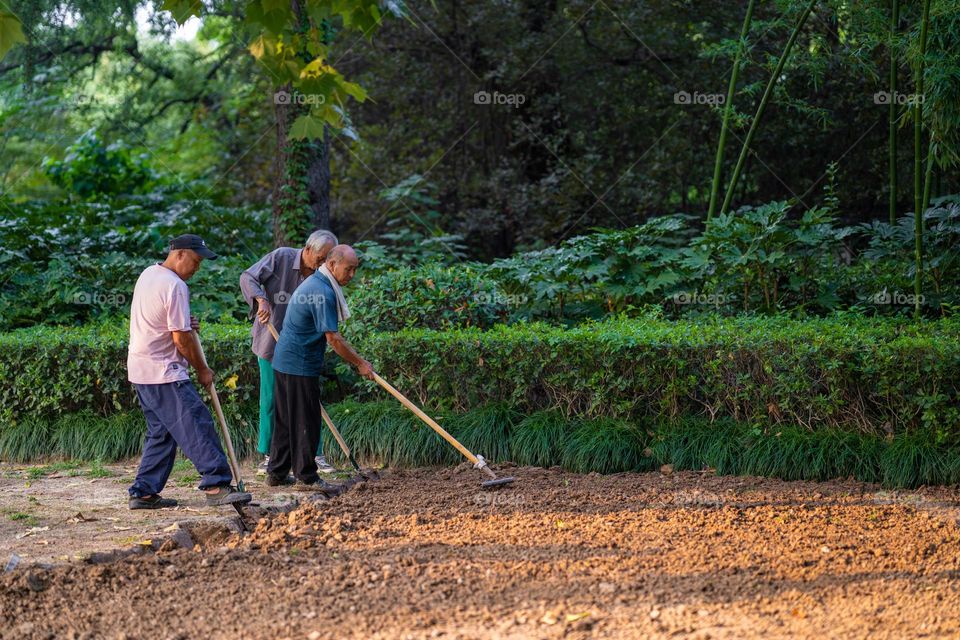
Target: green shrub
{"x":52,"y":372}
{"x":26,"y":440}
{"x":887,"y":265}
{"x":70,"y":262}
{"x":606,"y":445}
{"x":486,"y":430}
{"x":92,"y":168}
{"x":538,"y":439}
{"x":601,"y":273}
{"x":854,"y":375}
{"x":386,"y":433}
{"x":759,"y":258}
{"x":432,"y":296}
{"x":864,"y":375}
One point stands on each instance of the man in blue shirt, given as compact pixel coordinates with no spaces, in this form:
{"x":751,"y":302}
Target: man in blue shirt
{"x":314,"y":315}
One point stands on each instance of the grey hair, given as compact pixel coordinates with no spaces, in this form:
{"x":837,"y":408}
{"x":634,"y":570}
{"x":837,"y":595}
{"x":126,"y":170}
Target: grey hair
{"x":321,"y":238}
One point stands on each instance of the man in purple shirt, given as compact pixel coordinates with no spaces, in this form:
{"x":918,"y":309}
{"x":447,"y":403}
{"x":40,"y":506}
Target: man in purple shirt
{"x":267,"y":287}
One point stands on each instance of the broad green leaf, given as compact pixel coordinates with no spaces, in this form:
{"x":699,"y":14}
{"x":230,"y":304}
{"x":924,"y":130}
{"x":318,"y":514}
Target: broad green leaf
{"x":11,"y":32}
{"x":306,"y":127}
{"x":352,"y":89}
{"x":275,"y":5}
{"x":183,"y":10}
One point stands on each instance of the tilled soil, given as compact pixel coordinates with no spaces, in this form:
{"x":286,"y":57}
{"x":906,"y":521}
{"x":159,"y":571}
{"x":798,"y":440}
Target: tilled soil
{"x":427,"y":554}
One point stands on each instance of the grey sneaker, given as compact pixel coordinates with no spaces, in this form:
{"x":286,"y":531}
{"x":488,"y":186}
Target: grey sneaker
{"x":262,"y":467}
{"x":323,"y":466}
{"x":227,"y":495}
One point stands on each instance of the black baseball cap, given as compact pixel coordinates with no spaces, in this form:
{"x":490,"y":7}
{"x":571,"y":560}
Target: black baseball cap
{"x":191,"y":241}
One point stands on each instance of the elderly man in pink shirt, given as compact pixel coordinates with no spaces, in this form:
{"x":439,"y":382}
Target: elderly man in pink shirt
{"x":162,"y":347}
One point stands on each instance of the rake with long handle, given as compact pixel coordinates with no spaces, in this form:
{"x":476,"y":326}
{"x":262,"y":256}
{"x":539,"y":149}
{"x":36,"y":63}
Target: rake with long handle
{"x":478,"y":461}
{"x":225,"y":432}
{"x":328,"y":421}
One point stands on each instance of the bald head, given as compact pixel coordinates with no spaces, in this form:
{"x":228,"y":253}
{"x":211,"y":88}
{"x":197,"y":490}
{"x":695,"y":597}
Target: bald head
{"x":342,"y":262}
{"x":340,"y":252}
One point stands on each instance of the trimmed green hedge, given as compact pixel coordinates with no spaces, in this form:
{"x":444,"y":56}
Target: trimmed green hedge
{"x":50,"y":372}
{"x":874,"y":375}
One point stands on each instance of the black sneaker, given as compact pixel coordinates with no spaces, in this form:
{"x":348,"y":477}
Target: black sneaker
{"x":278,"y":481}
{"x":227,"y":495}
{"x":151,"y":502}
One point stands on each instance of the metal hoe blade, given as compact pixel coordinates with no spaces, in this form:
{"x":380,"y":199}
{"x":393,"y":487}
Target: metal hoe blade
{"x":499,"y":482}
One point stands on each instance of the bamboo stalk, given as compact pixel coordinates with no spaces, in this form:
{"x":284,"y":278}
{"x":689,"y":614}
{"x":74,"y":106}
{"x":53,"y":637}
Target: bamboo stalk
{"x":763,"y":105}
{"x":892,"y":124}
{"x":727,"y":110}
{"x":918,"y":163}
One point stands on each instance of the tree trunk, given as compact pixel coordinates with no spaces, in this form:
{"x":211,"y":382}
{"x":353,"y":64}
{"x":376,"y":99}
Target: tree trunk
{"x":318,"y":181}
{"x":301,"y":192}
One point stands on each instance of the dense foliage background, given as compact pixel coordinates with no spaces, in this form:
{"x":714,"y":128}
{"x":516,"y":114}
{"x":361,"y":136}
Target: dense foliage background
{"x":529,"y":185}
{"x":519,"y":124}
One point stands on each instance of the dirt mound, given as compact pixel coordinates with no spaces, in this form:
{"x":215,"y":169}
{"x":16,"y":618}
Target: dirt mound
{"x":427,"y":553}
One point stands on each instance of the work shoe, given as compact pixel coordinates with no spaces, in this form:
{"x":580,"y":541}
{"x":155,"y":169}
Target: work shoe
{"x":277,"y":481}
{"x":151,"y":502}
{"x":227,"y":495}
{"x":262,"y":467}
{"x":323,"y":466}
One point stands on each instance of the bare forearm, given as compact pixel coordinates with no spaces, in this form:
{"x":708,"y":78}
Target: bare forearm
{"x":189,"y":348}
{"x":344,"y":349}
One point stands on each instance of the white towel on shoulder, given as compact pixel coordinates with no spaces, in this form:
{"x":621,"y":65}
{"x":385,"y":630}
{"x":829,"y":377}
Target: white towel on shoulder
{"x":342,"y":311}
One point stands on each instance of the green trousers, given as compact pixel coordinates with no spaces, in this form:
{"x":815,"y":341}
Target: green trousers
{"x":266,"y":406}
{"x":266,"y":409}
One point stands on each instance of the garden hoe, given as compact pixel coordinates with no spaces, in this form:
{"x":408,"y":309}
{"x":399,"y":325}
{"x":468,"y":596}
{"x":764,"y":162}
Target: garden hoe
{"x":231,"y":455}
{"x":478,"y":461}
{"x":329,"y":422}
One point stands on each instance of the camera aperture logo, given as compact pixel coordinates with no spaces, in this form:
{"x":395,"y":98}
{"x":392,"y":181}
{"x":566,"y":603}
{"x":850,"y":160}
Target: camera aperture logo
{"x":488,"y":499}
{"x":285,"y":297}
{"x":694,"y":297}
{"x":99,"y":298}
{"x":496,"y":98}
{"x":285,"y":97}
{"x":685,"y":97}
{"x":896,"y":298}
{"x":885,"y":97}
{"x":500,"y":299}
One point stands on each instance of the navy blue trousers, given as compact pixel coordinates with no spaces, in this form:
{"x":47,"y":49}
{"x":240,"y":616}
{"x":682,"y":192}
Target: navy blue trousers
{"x":177,"y":416}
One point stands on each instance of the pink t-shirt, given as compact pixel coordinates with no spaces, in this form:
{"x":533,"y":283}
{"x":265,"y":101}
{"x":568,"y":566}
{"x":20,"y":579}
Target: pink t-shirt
{"x":161,"y":304}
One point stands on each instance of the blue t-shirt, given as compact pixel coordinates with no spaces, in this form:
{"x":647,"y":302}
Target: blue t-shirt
{"x":311,"y":312}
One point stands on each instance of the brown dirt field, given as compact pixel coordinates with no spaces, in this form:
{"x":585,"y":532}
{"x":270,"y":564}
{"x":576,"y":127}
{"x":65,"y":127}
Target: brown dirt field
{"x":426,"y":554}
{"x":71,"y":513}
